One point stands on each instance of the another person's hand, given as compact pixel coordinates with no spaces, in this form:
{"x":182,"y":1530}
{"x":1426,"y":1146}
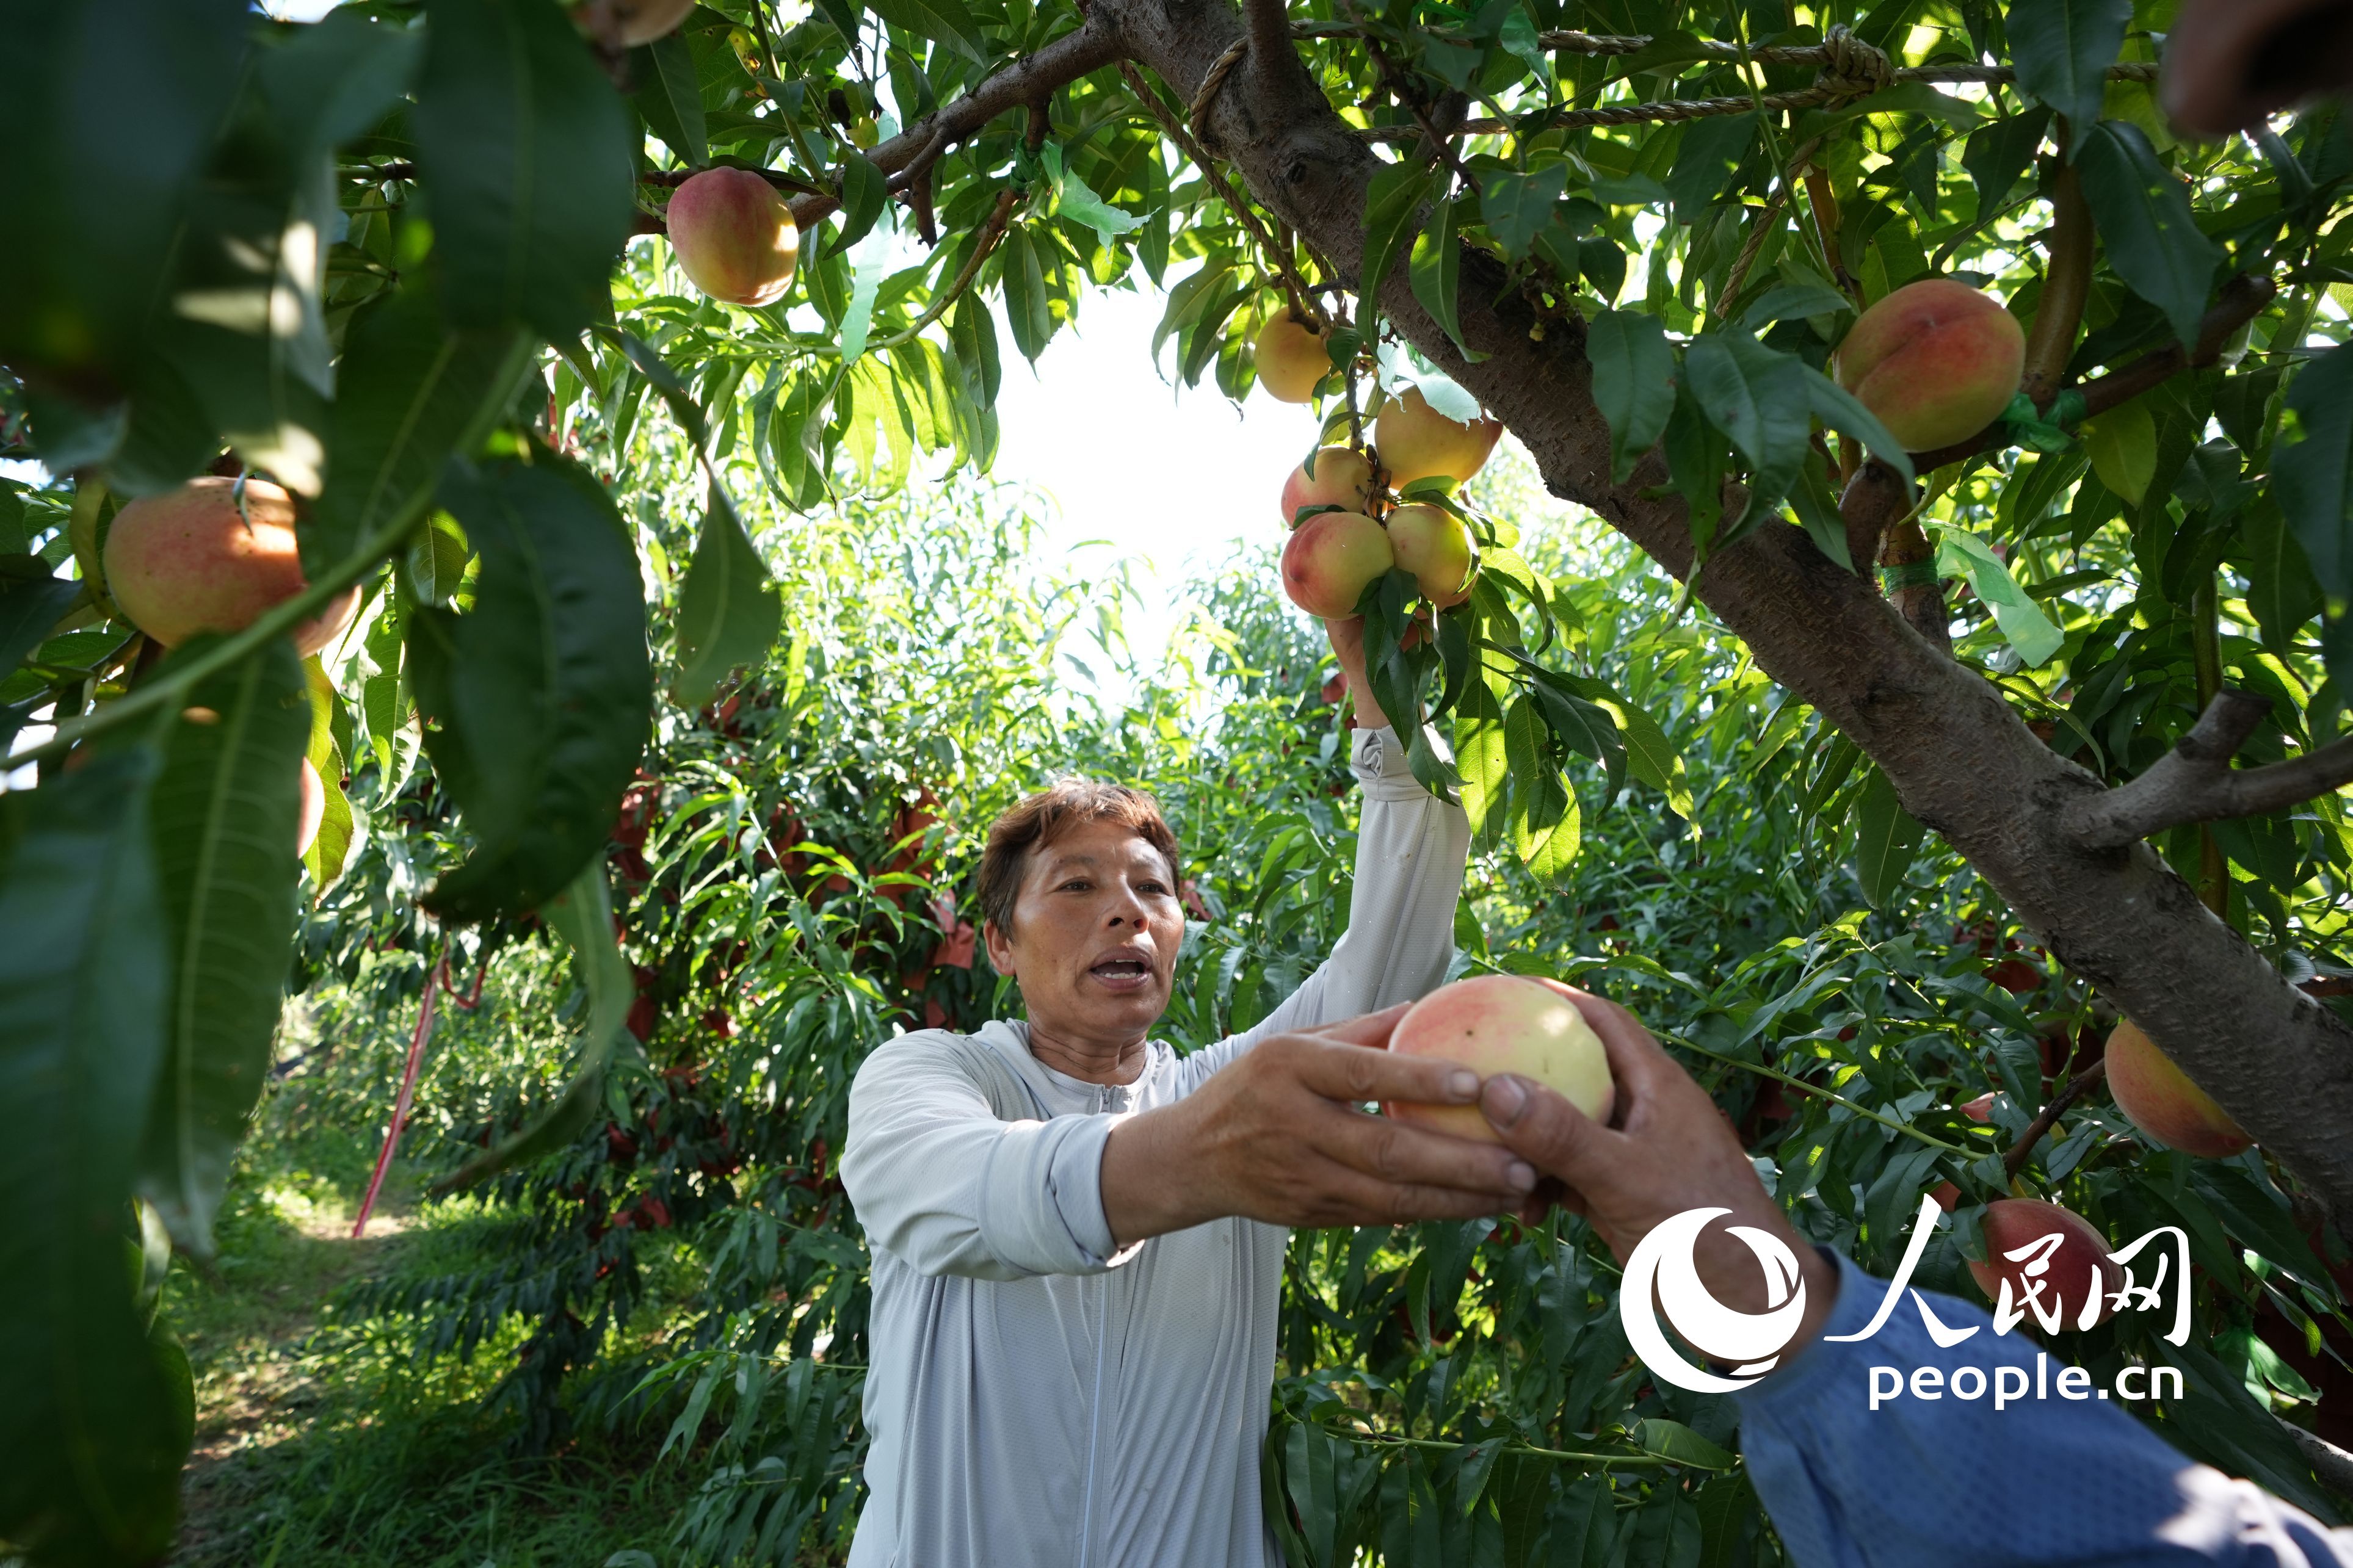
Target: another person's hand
{"x":1349,"y":646}
{"x":1667,"y":1149}
{"x":1277,"y":1136}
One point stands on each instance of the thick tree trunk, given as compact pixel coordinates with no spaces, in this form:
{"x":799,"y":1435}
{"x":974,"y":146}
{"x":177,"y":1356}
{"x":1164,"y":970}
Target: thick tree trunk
{"x":1960,"y":760}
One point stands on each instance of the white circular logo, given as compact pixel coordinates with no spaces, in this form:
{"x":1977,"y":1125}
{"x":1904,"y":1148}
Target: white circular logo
{"x":1662,"y":1266}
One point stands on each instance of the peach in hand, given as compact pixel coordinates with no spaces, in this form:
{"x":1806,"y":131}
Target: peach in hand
{"x":1937,"y":361}
{"x":734,"y":237}
{"x":2162,"y":1101}
{"x":1504,"y":1023}
{"x":1416,"y":442}
{"x":1291,"y":359}
{"x":1434,"y":544}
{"x":191,"y":560}
{"x":1343,"y":477}
{"x":1330,"y":559}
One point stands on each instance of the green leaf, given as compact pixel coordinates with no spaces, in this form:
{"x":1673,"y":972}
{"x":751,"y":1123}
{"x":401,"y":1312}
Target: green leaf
{"x":1397,"y":192}
{"x":1756,"y":395}
{"x":1816,"y":503}
{"x":941,"y":21}
{"x":2281,"y":592}
{"x":538,"y":701}
{"x":1996,"y":153}
{"x":1711,"y":151}
{"x":338,"y":824}
{"x":2146,"y":229}
{"x":527,"y":149}
{"x":669,"y":96}
{"x":2063,"y":49}
{"x":108,"y":109}
{"x":1029,"y":309}
{"x":222,"y":820}
{"x":1648,"y":753}
{"x":1435,"y":271}
{"x":728,"y":609}
{"x":1633,"y":383}
{"x":1478,"y":753}
{"x":88,"y":1463}
{"x":29,"y":609}
{"x":408,"y":393}
{"x":1885,"y":840}
{"x":1841,"y":411}
{"x":1076,"y":201}
{"x":2313,"y":477}
{"x":1515,"y":207}
{"x":1673,"y":1440}
{"x":865,"y":191}
{"x":1784,"y":300}
{"x":1961,"y":553}
{"x":582,"y":915}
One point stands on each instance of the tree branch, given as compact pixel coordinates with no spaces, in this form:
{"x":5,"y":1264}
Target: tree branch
{"x":2196,"y":782}
{"x":1031,"y":80}
{"x":2023,"y":1150}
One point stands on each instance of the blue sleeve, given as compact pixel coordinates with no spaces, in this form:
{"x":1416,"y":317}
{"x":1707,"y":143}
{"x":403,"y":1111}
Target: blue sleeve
{"x":2043,"y":1478}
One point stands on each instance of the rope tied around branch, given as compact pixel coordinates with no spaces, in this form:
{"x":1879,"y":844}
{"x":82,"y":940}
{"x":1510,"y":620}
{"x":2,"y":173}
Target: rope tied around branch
{"x":1197,"y":118}
{"x":1852,"y":68}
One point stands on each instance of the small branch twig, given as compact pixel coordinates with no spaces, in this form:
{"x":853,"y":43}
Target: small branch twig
{"x":1025,"y":82}
{"x":2023,"y":1150}
{"x":2196,"y":782}
{"x":1270,"y":36}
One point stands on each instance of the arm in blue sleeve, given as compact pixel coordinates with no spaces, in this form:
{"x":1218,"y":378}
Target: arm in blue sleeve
{"x":2043,"y":1478}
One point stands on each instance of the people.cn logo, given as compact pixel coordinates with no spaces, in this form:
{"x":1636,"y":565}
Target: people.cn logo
{"x":1663,"y":1277}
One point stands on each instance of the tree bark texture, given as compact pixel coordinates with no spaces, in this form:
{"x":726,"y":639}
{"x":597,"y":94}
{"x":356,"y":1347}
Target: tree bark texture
{"x":1959,"y":758}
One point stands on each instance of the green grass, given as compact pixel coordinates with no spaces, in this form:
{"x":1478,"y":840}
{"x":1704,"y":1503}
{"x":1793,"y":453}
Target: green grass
{"x":335,"y":1445}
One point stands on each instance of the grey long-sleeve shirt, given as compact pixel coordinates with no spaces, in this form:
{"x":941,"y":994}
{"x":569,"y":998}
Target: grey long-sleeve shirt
{"x":1040,"y":1397}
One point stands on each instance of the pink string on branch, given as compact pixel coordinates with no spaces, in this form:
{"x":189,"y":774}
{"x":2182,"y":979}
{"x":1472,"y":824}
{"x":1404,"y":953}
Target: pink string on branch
{"x":408,"y":1085}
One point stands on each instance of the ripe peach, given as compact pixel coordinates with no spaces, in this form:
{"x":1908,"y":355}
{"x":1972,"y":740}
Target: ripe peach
{"x":1291,"y":359}
{"x":1344,"y":477}
{"x":1434,"y":544}
{"x":1937,"y":361}
{"x":188,"y":560}
{"x":2067,"y":1273}
{"x":2163,"y":1103}
{"x":1980,"y":1109}
{"x":734,"y":237}
{"x":1416,"y":441}
{"x":312,"y":810}
{"x":1504,"y":1023}
{"x":1329,"y":560}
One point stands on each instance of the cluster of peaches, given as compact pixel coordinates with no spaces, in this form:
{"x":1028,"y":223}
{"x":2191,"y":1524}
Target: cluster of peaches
{"x":1346,"y":530}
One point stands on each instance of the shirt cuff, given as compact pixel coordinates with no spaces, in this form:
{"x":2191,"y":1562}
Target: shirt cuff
{"x":1378,"y":761}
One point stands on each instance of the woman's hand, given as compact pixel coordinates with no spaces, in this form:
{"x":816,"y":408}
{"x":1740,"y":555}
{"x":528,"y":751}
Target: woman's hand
{"x":1277,"y":1136}
{"x":1348,"y":645}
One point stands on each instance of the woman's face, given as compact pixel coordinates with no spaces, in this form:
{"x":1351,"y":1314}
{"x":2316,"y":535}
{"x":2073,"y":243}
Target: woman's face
{"x":1094,"y":936}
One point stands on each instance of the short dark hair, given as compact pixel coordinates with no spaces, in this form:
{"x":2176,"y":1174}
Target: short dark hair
{"x":1043,"y":817}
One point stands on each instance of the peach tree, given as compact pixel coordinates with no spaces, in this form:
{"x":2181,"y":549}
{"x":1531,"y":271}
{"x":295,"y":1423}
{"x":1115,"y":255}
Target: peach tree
{"x":367,"y":267}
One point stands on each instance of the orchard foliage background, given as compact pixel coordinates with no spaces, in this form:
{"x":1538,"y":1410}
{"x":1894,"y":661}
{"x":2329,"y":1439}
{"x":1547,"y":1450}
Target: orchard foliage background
{"x":386,"y":261}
